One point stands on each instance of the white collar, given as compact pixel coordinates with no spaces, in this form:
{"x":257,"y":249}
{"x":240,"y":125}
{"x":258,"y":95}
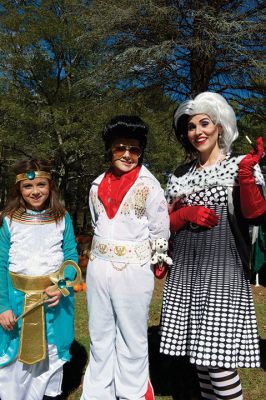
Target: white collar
{"x":222,"y":174}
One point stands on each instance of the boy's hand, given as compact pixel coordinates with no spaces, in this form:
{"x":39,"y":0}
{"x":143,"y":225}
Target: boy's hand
{"x":160,"y":270}
{"x":7,"y":320}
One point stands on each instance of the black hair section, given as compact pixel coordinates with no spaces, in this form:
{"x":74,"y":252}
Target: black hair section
{"x":125,"y":126}
{"x":181,"y":133}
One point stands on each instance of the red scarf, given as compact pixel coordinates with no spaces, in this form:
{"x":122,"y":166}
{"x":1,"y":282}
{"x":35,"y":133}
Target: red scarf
{"x":113,"y":189}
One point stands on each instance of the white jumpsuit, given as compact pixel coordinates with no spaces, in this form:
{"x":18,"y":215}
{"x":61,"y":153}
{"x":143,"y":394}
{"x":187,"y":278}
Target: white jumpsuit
{"x":119,"y":289}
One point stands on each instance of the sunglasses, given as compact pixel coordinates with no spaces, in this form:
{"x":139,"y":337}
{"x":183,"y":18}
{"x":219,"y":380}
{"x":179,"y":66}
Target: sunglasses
{"x":120,"y":149}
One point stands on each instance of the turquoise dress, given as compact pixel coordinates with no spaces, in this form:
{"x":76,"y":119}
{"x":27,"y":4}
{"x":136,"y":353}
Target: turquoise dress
{"x":36,"y":245}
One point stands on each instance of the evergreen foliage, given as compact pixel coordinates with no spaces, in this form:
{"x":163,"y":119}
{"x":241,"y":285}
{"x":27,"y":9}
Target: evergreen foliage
{"x":67,"y":66}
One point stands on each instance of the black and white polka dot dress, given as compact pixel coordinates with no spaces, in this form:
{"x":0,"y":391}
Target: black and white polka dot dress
{"x":208,"y":311}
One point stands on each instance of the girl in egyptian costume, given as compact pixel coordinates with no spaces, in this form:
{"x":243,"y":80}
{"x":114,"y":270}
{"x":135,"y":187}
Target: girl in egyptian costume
{"x":37,"y":269}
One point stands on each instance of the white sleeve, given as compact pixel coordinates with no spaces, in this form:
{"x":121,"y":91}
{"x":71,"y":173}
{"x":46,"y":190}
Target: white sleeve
{"x":157,"y":213}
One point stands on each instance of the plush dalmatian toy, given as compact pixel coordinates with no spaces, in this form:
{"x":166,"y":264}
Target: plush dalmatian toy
{"x":160,"y":247}
{"x":160,"y":259}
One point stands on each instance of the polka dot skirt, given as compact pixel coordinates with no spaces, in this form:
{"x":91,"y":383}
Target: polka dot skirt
{"x":208,"y":311}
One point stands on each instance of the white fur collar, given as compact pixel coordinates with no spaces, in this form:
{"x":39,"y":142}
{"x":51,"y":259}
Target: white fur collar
{"x":223,"y":173}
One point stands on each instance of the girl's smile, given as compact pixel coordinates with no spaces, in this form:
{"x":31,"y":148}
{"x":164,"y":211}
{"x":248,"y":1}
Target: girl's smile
{"x":35,"y":192}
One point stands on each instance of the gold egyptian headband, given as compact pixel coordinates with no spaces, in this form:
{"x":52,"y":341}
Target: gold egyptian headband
{"x":32,"y":175}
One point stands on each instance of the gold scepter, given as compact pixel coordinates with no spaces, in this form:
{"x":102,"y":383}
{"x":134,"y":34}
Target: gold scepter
{"x":60,"y":283}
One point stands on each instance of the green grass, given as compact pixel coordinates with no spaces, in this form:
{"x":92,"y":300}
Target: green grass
{"x":175,"y":379}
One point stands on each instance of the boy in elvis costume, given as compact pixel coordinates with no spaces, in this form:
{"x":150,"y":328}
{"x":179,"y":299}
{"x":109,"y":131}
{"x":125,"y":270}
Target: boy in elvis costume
{"x":129,"y":213}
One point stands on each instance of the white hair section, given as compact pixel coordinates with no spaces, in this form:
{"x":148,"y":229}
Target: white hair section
{"x":218,"y":109}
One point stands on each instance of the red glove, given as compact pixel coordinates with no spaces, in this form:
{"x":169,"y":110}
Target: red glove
{"x":247,"y":164}
{"x":198,"y":215}
{"x":160,"y":270}
{"x":252,"y":201}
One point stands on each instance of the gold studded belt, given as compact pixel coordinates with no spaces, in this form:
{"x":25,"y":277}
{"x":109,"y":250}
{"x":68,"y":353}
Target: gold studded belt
{"x":33,"y":339}
{"x":121,"y":251}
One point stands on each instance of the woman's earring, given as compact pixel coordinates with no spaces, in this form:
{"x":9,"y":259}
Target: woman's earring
{"x":220,"y":139}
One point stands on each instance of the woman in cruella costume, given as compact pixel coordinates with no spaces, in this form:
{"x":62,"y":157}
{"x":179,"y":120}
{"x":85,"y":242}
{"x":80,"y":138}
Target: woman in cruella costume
{"x":208,"y":313}
{"x":129,"y":213}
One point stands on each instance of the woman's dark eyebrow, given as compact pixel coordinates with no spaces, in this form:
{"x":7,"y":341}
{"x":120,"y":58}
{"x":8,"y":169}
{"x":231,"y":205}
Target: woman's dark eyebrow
{"x":204,"y":119}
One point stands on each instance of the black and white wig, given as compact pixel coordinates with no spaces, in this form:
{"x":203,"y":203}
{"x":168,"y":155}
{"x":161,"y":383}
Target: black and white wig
{"x":219,"y":111}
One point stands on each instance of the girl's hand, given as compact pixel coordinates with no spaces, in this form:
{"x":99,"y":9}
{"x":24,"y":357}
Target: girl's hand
{"x":54,"y":296}
{"x":7,"y":320}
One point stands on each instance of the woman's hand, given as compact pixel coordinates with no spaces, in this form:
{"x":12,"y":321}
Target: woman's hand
{"x":252,"y":202}
{"x":247,"y":163}
{"x":54,"y":296}
{"x":198,"y":215}
{"x":7,"y":320}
